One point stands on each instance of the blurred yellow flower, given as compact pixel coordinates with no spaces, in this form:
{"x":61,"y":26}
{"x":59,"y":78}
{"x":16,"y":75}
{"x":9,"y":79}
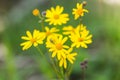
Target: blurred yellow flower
{"x":80,"y":38}
{"x":35,"y":12}
{"x":51,"y":31}
{"x":54,"y":16}
{"x":68,"y":30}
{"x":69,"y":57}
{"x":55,"y":43}
{"x":63,"y":62}
{"x":79,"y":11}
{"x":35,"y":39}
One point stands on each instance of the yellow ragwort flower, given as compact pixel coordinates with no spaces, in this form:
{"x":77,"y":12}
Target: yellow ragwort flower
{"x":79,"y":11}
{"x":35,"y":12}
{"x":55,"y":43}
{"x":70,"y":29}
{"x":63,"y":62}
{"x":51,"y":31}
{"x":80,"y":38}
{"x":56,"y":17}
{"x":69,"y":57}
{"x":35,"y":39}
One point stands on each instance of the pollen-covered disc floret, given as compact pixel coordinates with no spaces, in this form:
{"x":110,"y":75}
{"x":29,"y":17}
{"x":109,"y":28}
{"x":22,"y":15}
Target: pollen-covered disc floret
{"x":81,"y":37}
{"x":79,"y":11}
{"x":55,"y":16}
{"x":35,"y":39}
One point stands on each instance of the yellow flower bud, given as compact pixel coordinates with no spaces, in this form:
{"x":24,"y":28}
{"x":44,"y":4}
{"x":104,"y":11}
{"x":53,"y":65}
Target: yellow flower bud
{"x":36,"y":12}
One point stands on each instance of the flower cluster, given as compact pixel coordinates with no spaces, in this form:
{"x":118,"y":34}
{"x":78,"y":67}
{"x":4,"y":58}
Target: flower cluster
{"x":57,"y":42}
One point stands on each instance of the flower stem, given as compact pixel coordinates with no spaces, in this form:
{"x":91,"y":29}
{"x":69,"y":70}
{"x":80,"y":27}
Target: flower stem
{"x":41,"y":21}
{"x":83,"y":74}
{"x":42,"y":24}
{"x":40,"y":51}
{"x":54,"y":66}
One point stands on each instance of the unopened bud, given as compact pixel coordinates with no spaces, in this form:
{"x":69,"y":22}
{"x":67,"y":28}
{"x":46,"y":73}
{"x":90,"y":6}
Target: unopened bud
{"x":84,"y":3}
{"x":85,"y":61}
{"x":43,"y":13}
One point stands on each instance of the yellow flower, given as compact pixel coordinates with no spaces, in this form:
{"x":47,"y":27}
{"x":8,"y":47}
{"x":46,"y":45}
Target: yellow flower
{"x":36,"y":12}
{"x":80,"y":38}
{"x":70,"y":29}
{"x":51,"y":31}
{"x":54,"y":16}
{"x":35,"y":39}
{"x":69,"y":57}
{"x":63,"y":62}
{"x":79,"y":11}
{"x":55,"y":43}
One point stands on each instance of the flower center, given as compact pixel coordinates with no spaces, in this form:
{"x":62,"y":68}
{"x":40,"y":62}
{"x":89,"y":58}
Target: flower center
{"x":80,"y":39}
{"x":59,"y":46}
{"x":56,"y":16}
{"x":48,"y":33}
{"x":33,"y":40}
{"x":79,"y":11}
{"x":73,"y":30}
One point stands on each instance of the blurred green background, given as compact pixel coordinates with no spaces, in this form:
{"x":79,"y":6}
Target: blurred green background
{"x":103,"y":54}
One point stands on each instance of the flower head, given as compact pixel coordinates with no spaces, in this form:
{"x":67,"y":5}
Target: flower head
{"x":51,"y":31}
{"x":54,"y":16}
{"x":80,"y":38}
{"x":70,"y":29}
{"x":69,"y":57}
{"x":79,"y":11}
{"x":55,"y":43}
{"x":35,"y":39}
{"x":36,"y":12}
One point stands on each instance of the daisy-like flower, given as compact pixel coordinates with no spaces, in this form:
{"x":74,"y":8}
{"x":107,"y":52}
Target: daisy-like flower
{"x":69,"y":57}
{"x":79,"y":11}
{"x":70,"y":29}
{"x":35,"y":39}
{"x":51,"y":31}
{"x":55,"y":43}
{"x":56,"y":17}
{"x":35,"y":12}
{"x":63,"y":62}
{"x":81,"y":38}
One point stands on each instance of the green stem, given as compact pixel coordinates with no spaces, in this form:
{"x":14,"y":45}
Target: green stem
{"x":66,"y":76}
{"x":68,"y":71}
{"x":60,"y":69}
{"x":54,"y":67}
{"x":83,"y":74}
{"x":42,"y":21}
{"x":40,"y":51}
{"x":42,"y":24}
{"x":62,"y":73}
